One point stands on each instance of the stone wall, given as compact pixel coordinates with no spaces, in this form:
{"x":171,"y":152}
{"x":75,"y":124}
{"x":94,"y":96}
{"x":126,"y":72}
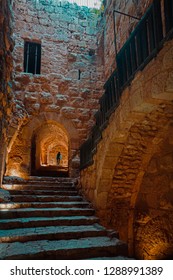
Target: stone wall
{"x":134,"y":162}
{"x":67,"y":34}
{"x":154,"y":206}
{"x":6,"y":46}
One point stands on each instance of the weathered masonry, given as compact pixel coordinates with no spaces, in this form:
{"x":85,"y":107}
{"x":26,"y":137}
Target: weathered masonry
{"x":127,"y":160}
{"x":96,"y":84}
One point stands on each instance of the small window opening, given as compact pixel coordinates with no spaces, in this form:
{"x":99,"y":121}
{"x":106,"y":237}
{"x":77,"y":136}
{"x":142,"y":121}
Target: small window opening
{"x":32,"y":58}
{"x":91,"y":52}
{"x":79,"y":74}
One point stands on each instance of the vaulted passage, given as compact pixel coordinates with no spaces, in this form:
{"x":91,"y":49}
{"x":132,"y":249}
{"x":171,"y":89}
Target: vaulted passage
{"x":35,"y":148}
{"x":47,"y":141}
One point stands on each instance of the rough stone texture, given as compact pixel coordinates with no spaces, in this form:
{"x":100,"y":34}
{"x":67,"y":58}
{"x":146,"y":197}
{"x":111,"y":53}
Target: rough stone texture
{"x":130,"y":182}
{"x":6,"y":47}
{"x":131,"y":178}
{"x":154,"y":206}
{"x":4,"y":196}
{"x":67,"y":34}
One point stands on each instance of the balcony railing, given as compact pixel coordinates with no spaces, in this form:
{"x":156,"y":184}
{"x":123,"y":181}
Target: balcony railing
{"x":168,"y":13}
{"x":143,"y":44}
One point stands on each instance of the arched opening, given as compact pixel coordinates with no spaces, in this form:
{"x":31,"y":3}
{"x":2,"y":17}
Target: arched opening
{"x":47,"y":141}
{"x":153,"y":214}
{"x":32,"y":151}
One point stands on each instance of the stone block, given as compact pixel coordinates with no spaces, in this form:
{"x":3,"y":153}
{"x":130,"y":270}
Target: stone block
{"x":68,"y":112}
{"x":31,"y":97}
{"x":77,"y":102}
{"x":138,"y":103}
{"x":61,"y":99}
{"x":101,"y":200}
{"x":168,"y":59}
{"x":52,"y":108}
{"x":83,"y":114}
{"x":46,"y":98}
{"x":33,"y":108}
{"x":72,"y":57}
{"x":108,"y":173}
{"x":24,"y":78}
{"x":169,"y":84}
{"x":104,"y":185}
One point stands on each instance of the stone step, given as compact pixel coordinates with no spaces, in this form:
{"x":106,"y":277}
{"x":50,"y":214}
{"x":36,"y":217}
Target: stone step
{"x":38,"y":180}
{"x":112,"y":258}
{"x":43,"y":182}
{"x":72,"y":249}
{"x":44,"y":198}
{"x":20,"y":205}
{"x":46,"y":221}
{"x":44,"y":212}
{"x":43,"y":192}
{"x":46,"y":187}
{"x":51,"y":233}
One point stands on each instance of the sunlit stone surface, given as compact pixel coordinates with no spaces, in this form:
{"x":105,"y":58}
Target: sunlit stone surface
{"x":89,"y":3}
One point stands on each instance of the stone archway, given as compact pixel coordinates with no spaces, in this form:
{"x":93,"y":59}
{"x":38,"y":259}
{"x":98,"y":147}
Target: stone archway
{"x":150,"y":220}
{"x":42,"y":131}
{"x":128,"y":143}
{"x":125,"y":157}
{"x":47,"y":141}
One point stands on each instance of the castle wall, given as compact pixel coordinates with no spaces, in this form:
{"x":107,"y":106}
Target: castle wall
{"x":6,"y":47}
{"x":71,"y":78}
{"x":130,"y":181}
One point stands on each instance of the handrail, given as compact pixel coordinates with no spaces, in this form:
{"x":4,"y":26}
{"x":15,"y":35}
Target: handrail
{"x":143,"y":44}
{"x":168,"y":14}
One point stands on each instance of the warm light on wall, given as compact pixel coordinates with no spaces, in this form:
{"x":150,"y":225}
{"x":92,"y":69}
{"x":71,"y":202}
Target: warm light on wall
{"x":6,"y":206}
{"x":159,"y":251}
{"x":7,"y":187}
{"x":14,"y":172}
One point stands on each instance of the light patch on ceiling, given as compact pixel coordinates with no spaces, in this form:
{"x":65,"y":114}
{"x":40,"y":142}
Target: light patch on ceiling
{"x":87,"y":3}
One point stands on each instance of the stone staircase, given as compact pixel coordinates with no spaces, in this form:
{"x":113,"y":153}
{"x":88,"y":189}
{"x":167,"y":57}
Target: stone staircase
{"x":46,"y":218}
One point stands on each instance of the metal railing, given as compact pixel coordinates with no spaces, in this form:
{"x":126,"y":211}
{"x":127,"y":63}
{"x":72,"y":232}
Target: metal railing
{"x":168,"y":14}
{"x":144,"y":43}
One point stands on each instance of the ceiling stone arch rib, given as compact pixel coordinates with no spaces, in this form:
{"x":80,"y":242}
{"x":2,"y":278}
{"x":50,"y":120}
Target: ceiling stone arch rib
{"x":50,"y":136}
